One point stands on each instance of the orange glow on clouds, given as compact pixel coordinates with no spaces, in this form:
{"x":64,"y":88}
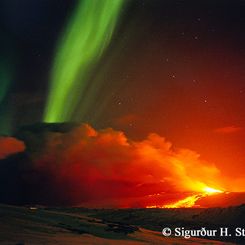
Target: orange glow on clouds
{"x":104,"y":168}
{"x":228,"y":130}
{"x":10,"y":145}
{"x":97,"y":167}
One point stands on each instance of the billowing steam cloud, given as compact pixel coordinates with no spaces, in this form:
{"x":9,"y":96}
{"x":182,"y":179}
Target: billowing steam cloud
{"x":83,"y":166}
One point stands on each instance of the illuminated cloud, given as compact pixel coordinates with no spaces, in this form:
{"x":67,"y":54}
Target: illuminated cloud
{"x":9,"y":146}
{"x":99,"y":168}
{"x":228,"y":130}
{"x":89,"y":167}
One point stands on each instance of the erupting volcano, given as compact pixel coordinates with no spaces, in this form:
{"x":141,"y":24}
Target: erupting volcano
{"x":190,"y":201}
{"x":104,"y":168}
{"x":121,"y":104}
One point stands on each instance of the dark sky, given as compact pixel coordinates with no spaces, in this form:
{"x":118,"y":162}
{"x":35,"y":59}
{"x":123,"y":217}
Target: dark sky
{"x":175,"y":68}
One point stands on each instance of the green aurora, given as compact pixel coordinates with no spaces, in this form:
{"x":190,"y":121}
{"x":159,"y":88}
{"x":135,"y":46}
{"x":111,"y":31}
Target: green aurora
{"x":5,"y":79}
{"x":83,"y":42}
{"x":6,"y":71}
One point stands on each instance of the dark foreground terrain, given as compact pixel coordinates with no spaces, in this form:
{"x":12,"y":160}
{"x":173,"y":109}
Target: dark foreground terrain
{"x":66,"y":226}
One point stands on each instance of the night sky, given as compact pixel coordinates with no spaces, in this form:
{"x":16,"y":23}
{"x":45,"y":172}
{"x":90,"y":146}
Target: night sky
{"x":174,"y":68}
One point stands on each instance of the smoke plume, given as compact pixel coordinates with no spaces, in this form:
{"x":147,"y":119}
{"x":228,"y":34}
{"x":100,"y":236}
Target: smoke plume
{"x":84,"y":166}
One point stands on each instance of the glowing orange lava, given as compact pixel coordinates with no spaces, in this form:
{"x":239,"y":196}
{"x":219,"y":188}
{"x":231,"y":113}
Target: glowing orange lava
{"x":190,"y":201}
{"x":210,"y":190}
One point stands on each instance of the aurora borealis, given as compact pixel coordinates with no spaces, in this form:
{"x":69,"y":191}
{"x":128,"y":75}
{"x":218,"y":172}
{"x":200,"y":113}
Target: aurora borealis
{"x":5,"y":81}
{"x":146,"y":89}
{"x":7,"y":70}
{"x":87,"y":36}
